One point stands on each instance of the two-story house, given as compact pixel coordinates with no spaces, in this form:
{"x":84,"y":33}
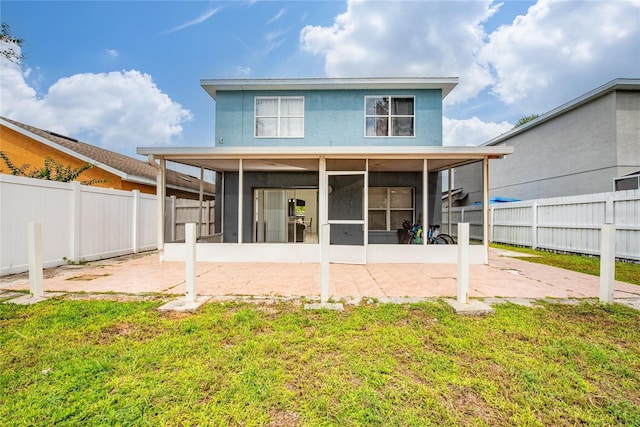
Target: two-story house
{"x":359,"y":154}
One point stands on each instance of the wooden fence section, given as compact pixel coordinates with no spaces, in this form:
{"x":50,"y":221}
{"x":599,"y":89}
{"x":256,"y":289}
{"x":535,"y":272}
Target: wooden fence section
{"x":570,"y":224}
{"x":179,"y":212}
{"x":78,"y":222}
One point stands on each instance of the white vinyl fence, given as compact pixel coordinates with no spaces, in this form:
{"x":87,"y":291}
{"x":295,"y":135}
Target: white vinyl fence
{"x":568,"y":224}
{"x":179,"y":212}
{"x":79,"y":222}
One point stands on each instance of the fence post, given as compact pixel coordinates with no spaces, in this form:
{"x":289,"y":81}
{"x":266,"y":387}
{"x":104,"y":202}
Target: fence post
{"x":34,"y":234}
{"x":324,"y":262}
{"x":190,"y":261}
{"x":609,"y":210}
{"x":492,"y":218}
{"x":463,"y":263}
{"x":607,"y":262}
{"x":75,"y":220}
{"x":173,"y":218}
{"x":534,"y":225}
{"x":135,"y":243}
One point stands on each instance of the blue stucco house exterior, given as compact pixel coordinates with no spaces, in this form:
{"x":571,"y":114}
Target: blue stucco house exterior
{"x":290,"y":155}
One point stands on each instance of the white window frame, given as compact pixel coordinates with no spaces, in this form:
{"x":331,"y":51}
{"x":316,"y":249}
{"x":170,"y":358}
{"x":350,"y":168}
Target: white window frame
{"x":279,"y":116}
{"x":389,"y":116}
{"x":388,"y":209}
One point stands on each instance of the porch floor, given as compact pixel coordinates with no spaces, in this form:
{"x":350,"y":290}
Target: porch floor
{"x":504,"y":276}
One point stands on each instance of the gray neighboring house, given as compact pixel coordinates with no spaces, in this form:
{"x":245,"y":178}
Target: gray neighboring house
{"x":578,"y":148}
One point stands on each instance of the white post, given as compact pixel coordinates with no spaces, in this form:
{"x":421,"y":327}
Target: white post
{"x":173,"y":217}
{"x":324,"y":262}
{"x":463,"y":263}
{"x":240,"y":200}
{"x":76,"y":221}
{"x":190,"y":261}
{"x":34,"y":232}
{"x":534,"y":225}
{"x":607,"y":262}
{"x":136,"y":221}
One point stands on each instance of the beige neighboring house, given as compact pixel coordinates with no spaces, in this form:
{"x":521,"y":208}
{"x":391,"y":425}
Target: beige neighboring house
{"x":25,"y":144}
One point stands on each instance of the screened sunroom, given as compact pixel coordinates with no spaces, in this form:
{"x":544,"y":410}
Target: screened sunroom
{"x":272,"y":201}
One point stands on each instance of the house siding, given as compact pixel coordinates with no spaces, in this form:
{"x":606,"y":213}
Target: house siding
{"x":332,"y":118}
{"x":578,"y":152}
{"x":22,"y":150}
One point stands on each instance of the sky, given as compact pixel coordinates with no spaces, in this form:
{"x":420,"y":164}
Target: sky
{"x":126,"y":74}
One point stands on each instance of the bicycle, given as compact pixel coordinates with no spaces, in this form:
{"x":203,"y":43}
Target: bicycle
{"x":433,"y":236}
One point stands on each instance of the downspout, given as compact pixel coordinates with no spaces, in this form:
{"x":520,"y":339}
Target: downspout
{"x":160,"y":196}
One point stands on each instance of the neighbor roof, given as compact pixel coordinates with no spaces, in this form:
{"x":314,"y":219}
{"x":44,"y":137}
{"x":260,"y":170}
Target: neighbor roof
{"x":127,"y":168}
{"x":446,"y":84}
{"x":613,"y":85}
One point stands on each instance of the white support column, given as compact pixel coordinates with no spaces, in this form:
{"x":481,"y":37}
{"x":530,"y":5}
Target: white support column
{"x":190,"y":261}
{"x":34,"y":233}
{"x":160,"y":200}
{"x":200,"y":200}
{"x":425,"y":199}
{"x":76,"y":221}
{"x":135,"y":243}
{"x":485,"y":208}
{"x":322,"y":192}
{"x":222,"y":202}
{"x":463,"y":263}
{"x":324,"y":262}
{"x":607,"y":262}
{"x":240,"y":201}
{"x":449,"y":201}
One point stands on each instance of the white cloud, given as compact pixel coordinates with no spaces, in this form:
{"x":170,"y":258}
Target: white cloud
{"x":409,"y":38}
{"x":119,"y":110}
{"x":562,"y":49}
{"x":277,"y":16}
{"x":200,"y":19}
{"x":112,"y":53}
{"x":471,"y":131}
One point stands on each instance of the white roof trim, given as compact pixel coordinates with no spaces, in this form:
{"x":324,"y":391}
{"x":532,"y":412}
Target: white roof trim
{"x":446,"y":84}
{"x":434,"y":152}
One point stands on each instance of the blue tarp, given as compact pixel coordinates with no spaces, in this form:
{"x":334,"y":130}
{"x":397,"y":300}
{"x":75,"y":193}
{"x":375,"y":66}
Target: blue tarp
{"x":495,"y":200}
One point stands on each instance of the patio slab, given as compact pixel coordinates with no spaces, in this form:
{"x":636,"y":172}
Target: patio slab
{"x":503,"y":277}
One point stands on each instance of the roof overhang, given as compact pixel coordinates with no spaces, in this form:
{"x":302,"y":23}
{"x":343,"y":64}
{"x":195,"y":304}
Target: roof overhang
{"x":445,"y":84}
{"x":306,"y":158}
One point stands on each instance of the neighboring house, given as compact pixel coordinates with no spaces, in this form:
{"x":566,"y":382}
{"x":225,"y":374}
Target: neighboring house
{"x":581,"y":147}
{"x":361,"y":155}
{"x":24,"y":144}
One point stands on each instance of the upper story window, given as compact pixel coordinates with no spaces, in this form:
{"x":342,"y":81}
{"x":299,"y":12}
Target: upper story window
{"x":279,"y":117}
{"x":389,"y":115}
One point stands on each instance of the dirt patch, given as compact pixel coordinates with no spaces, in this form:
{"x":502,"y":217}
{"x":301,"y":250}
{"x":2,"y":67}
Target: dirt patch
{"x":470,"y":403}
{"x":87,"y":277}
{"x":281,"y":418}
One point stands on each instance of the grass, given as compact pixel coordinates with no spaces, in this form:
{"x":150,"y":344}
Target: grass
{"x":89,"y":363}
{"x":625,"y":271}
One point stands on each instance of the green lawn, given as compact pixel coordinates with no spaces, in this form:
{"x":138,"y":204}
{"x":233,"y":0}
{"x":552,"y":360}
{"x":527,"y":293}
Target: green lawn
{"x":86,"y":363}
{"x":625,"y":271}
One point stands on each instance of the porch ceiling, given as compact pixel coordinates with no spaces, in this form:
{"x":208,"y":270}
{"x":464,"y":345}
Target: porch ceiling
{"x":381,"y":159}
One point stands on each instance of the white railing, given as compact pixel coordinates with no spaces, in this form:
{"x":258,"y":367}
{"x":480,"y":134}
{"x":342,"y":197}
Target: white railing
{"x":570,"y":224}
{"x":79,"y":222}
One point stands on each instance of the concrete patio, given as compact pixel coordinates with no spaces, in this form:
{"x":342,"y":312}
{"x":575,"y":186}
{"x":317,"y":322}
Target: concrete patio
{"x":504,"y":277}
